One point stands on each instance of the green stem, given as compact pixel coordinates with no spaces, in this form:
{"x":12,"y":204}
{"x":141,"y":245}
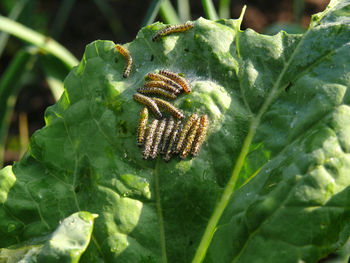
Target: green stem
{"x":209,"y":10}
{"x":183,"y":7}
{"x":224,"y":8}
{"x":160,"y":213}
{"x":228,"y":191}
{"x":15,"y":12}
{"x":168,"y":13}
{"x":152,"y":12}
{"x":46,"y":44}
{"x":231,"y":185}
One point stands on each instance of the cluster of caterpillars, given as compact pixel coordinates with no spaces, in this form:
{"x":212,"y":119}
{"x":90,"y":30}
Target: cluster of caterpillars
{"x":169,"y":136}
{"x":165,"y":135}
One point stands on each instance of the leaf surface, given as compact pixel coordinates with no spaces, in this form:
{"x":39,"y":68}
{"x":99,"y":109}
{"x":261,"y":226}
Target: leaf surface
{"x":283,"y":99}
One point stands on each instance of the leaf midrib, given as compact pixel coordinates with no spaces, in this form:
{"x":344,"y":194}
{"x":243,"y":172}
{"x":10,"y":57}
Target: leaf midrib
{"x":254,"y":124}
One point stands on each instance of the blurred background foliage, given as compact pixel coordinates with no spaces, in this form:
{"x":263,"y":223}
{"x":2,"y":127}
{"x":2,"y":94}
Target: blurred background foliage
{"x":33,"y":65}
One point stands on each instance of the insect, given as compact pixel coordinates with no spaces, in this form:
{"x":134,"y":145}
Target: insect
{"x":172,"y":29}
{"x":202,"y":131}
{"x":169,"y":107}
{"x":167,"y":132}
{"x":176,"y":77}
{"x":158,"y":136}
{"x":149,"y":103}
{"x":149,"y":139}
{"x":156,"y":76}
{"x":184,"y":132}
{"x":142,"y":126}
{"x":129,"y":62}
{"x":172,"y":141}
{"x":190,"y":138}
{"x":157,"y":91}
{"x":161,"y":84}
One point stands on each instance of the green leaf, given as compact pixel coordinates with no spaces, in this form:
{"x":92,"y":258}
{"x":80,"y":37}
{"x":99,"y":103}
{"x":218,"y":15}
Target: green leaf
{"x":66,"y":244}
{"x":270,"y":183}
{"x":69,"y":240}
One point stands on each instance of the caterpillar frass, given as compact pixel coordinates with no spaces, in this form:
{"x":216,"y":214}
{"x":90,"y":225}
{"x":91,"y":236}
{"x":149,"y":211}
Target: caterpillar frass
{"x":190,"y":138}
{"x":168,"y":107}
{"x":202,"y":131}
{"x":172,"y":141}
{"x":176,"y":77}
{"x":158,"y":136}
{"x":184,"y":132}
{"x":159,"y":77}
{"x":141,"y":130}
{"x":149,"y":139}
{"x":172,"y":29}
{"x":149,"y":103}
{"x":157,"y":91}
{"x":167,"y":132}
{"x":129,"y":62}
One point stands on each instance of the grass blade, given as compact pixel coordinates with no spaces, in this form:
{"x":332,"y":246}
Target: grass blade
{"x":209,"y":10}
{"x":9,"y":88}
{"x":14,"y":14}
{"x":224,"y":8}
{"x":152,"y":12}
{"x":183,"y":7}
{"x":61,"y":17}
{"x":168,"y":13}
{"x":46,"y":44}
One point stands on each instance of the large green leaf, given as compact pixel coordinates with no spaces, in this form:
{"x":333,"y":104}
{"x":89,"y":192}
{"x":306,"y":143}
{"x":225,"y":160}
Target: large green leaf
{"x":279,"y":118}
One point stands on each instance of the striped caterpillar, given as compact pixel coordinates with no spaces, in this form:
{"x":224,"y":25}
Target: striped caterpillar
{"x":129,"y":62}
{"x":177,"y":78}
{"x":172,"y":29}
{"x":149,"y":103}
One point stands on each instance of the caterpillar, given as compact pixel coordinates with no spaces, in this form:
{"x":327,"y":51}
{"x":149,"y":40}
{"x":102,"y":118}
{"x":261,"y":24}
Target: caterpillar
{"x":149,"y":139}
{"x":129,"y":62}
{"x":149,"y":103}
{"x":162,"y":85}
{"x":158,"y":136}
{"x":176,"y":77}
{"x":172,"y":141}
{"x":157,"y":91}
{"x":190,"y":138}
{"x":202,"y":131}
{"x":156,"y":76}
{"x":167,"y":132}
{"x":172,"y":29}
{"x":142,"y":126}
{"x":169,"y":107}
{"x":184,"y":132}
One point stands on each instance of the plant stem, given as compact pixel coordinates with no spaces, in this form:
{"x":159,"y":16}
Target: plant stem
{"x":230,"y":186}
{"x":224,"y":8}
{"x":46,"y":44}
{"x":209,"y":10}
{"x":228,"y":191}
{"x":168,"y":13}
{"x":152,"y":12}
{"x":183,"y":7}
{"x":15,"y":12}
